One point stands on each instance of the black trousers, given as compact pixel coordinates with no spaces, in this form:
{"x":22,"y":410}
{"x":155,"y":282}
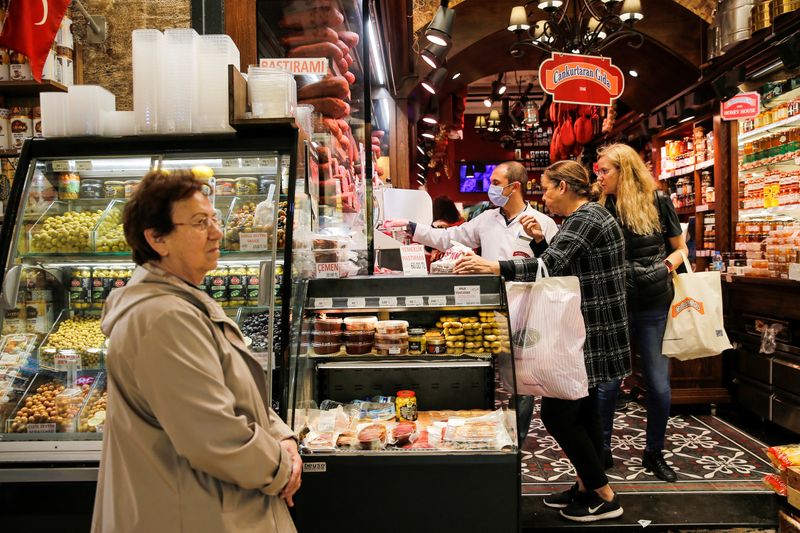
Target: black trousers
{"x":575,"y":424}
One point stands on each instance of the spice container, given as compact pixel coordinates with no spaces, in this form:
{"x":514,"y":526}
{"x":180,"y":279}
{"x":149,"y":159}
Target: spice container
{"x":327,"y":324}
{"x":358,"y":342}
{"x":360,"y":323}
{"x":69,"y":186}
{"x":391,"y":326}
{"x":114,"y":189}
{"x":391,"y":343}
{"x":64,"y":65}
{"x":437,"y":345}
{"x":20,"y":68}
{"x":406,"y":404}
{"x":417,"y":341}
{"x":246,"y":186}
{"x":91,"y":189}
{"x":326,"y":348}
{"x":225,"y":187}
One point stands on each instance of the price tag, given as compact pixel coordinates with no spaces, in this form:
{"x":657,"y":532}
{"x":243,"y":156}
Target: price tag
{"x":327,"y":270}
{"x":83,"y":165}
{"x":60,"y":166}
{"x":49,"y":427}
{"x":415,"y":301}
{"x":701,"y":208}
{"x":230,"y":163}
{"x":253,"y":242}
{"x":356,"y":302}
{"x":65,"y":360}
{"x":467,"y":294}
{"x":323,"y":303}
{"x":387,"y":301}
{"x":270,"y":165}
{"x":794,"y":271}
{"x":250,"y":162}
{"x":437,"y":301}
{"x":413,"y":258}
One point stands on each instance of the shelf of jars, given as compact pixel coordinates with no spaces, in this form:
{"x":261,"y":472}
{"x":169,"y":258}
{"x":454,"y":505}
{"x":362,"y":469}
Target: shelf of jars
{"x":780,"y":113}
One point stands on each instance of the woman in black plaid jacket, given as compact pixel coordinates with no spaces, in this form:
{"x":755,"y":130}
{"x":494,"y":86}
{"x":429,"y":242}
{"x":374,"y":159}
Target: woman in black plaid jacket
{"x":590,"y":245}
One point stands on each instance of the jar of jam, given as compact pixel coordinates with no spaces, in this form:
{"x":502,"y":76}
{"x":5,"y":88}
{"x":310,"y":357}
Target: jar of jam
{"x":416,"y":341}
{"x":406,"y":405}
{"x":437,"y":345}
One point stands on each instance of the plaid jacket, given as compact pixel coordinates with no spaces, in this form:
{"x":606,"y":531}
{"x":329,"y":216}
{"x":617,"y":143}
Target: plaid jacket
{"x":590,"y":246}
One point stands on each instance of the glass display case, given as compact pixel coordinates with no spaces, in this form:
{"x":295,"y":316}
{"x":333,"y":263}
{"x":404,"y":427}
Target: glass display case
{"x":65,"y":252}
{"x":406,"y":384}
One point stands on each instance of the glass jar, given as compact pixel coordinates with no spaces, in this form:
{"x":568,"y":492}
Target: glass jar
{"x":225,"y":187}
{"x":406,"y":405}
{"x":417,"y":343}
{"x":246,"y":186}
{"x":114,"y":189}
{"x":130,"y":187}
{"x":91,"y":189}
{"x":69,"y":186}
{"x":436,"y":345}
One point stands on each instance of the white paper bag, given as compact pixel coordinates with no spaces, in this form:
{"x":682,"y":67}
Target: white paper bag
{"x":548,"y":334}
{"x":695,"y":325}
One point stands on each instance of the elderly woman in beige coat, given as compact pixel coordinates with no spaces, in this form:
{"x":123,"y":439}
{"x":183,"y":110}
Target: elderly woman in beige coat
{"x":190,"y":443}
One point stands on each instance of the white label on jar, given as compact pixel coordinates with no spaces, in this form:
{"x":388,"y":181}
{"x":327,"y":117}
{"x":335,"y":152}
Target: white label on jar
{"x":387,"y":301}
{"x":49,"y":427}
{"x":437,"y":301}
{"x":253,"y":242}
{"x":323,"y":303}
{"x":83,"y":165}
{"x":467,"y":294}
{"x":394,"y":350}
{"x":60,"y":166}
{"x":250,"y":162}
{"x":415,"y":301}
{"x":356,"y":302}
{"x":315,"y":467}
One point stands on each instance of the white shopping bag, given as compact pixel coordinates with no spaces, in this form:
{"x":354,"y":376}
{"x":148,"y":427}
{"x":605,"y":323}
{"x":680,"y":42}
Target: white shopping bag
{"x":548,"y":334}
{"x":695,"y":325}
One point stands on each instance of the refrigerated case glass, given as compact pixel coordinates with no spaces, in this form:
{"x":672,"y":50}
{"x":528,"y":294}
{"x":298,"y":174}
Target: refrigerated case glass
{"x":67,"y":252}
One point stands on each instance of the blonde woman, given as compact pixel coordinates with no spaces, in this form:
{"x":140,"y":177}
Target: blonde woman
{"x":653,"y":245}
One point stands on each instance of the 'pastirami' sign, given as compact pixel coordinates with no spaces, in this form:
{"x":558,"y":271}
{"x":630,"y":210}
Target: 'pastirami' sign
{"x":579,"y":79}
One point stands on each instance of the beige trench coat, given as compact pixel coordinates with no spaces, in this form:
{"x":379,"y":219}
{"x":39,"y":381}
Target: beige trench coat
{"x":189,"y":443}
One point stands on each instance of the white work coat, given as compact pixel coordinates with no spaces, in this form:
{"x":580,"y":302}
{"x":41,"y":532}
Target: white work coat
{"x":497,"y":239}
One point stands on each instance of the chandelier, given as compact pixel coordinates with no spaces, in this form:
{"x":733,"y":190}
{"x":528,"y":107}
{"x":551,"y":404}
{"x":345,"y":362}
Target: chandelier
{"x":515,"y":124}
{"x":576,"y":26}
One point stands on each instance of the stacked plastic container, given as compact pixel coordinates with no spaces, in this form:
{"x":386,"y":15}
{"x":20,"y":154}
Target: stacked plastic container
{"x":216,"y":53}
{"x":148,"y":53}
{"x":271,"y":93}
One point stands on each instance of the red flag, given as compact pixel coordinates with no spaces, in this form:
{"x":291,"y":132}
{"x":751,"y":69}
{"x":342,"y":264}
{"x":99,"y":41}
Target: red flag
{"x":31,"y":27}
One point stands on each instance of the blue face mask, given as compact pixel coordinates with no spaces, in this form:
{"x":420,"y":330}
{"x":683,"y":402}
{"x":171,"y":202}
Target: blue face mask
{"x":496,"y":195}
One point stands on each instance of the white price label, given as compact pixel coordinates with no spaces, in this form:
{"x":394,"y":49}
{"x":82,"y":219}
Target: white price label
{"x":253,"y":242}
{"x":66,"y":360}
{"x":60,"y":166}
{"x":413,"y":258}
{"x":468,"y":294}
{"x":701,"y":208}
{"x":327,"y":270}
{"x":415,"y":301}
{"x":323,"y":303}
{"x":270,"y":165}
{"x":356,"y":302}
{"x":437,"y":301}
{"x":83,"y":165}
{"x":49,"y":427}
{"x":387,"y":301}
{"x":230,"y":163}
{"x":250,"y":162}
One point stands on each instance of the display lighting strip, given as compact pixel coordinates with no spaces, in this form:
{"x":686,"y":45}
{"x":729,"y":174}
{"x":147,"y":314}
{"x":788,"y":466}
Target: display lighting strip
{"x":129,"y":264}
{"x":765,"y":130}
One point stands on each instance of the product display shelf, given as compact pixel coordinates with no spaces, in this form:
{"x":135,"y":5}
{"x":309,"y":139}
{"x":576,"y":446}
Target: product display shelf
{"x":788,"y":164}
{"x":775,"y":127}
{"x":442,"y":384}
{"x":30,"y":87}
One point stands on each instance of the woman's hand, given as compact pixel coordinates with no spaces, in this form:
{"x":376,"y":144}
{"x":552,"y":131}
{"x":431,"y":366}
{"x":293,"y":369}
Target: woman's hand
{"x":475,"y":264}
{"x":532,"y":227}
{"x":290,"y":447}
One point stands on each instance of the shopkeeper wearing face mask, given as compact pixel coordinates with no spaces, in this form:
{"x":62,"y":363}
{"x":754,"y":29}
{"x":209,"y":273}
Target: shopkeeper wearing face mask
{"x":497,"y":232}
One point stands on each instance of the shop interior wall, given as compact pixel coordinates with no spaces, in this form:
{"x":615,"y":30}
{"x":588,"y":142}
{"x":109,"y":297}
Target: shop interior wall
{"x":471,"y":148}
{"x":109,"y":64}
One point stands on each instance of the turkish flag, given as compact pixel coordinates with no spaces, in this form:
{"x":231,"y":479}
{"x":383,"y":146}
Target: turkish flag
{"x":31,"y":27}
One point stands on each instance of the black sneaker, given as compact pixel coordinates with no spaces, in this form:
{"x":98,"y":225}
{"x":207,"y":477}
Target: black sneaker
{"x":560,"y":500}
{"x":654,"y":461}
{"x":608,"y":459}
{"x":592,"y":508}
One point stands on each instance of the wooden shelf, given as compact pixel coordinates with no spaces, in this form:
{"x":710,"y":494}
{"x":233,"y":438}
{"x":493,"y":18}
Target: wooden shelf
{"x":686,"y":210}
{"x":30,"y":87}
{"x":704,"y":208}
{"x":13,"y":152}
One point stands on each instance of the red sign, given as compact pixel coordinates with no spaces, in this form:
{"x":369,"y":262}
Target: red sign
{"x":578,"y":79}
{"x":743,"y":105}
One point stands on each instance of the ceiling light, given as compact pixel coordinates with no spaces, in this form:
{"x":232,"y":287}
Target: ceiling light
{"x":421,"y":149}
{"x":633,"y":73}
{"x":594,"y":24}
{"x":487,"y":102}
{"x":377,"y":56}
{"x":420,"y":165}
{"x":428,"y":135}
{"x":550,"y":5}
{"x":429,"y":119}
{"x":434,"y":80}
{"x":687,"y":119}
{"x":456,"y":76}
{"x":519,"y":19}
{"x":441,"y":27}
{"x":470,"y":171}
{"x":421,"y":177}
{"x":434,"y":54}
{"x":480,"y":122}
{"x":421,"y":182}
{"x":576,"y":50}
{"x":502,"y":89}
{"x":631,"y":11}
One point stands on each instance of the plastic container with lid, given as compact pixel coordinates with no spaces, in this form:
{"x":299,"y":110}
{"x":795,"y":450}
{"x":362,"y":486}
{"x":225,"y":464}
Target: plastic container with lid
{"x":328,"y":337}
{"x":327,"y":324}
{"x":246,"y":186}
{"x":92,"y":189}
{"x":436,"y":345}
{"x":391,"y":326}
{"x":225,"y":187}
{"x":360,"y":323}
{"x":114,"y":189}
{"x":326,"y":348}
{"x":359,"y":336}
{"x":358,"y":347}
{"x":391,"y":343}
{"x":417,"y":341}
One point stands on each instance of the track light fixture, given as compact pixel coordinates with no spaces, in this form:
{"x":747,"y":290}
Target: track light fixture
{"x":440,"y":30}
{"x":434,"y":54}
{"x":434,"y":80}
{"x":432,"y":115}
